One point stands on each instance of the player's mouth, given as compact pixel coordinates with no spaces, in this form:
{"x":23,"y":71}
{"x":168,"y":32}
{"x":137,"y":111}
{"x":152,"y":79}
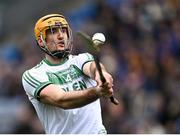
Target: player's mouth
{"x":61,"y":43}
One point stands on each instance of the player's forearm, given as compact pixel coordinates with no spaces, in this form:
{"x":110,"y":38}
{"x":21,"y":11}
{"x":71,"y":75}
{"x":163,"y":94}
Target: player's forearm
{"x":76,"y":99}
{"x":94,"y":71}
{"x":52,"y":95}
{"x":67,"y":100}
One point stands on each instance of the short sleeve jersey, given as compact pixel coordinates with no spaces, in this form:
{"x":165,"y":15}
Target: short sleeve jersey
{"x":68,"y":76}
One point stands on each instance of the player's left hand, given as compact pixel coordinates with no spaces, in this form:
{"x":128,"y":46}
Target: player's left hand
{"x":107,"y":76}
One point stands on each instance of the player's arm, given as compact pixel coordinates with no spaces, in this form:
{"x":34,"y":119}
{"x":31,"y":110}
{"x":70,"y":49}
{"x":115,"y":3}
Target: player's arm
{"x":90,"y":70}
{"x":53,"y":95}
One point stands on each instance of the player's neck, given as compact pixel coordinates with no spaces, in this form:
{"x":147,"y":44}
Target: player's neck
{"x":53,"y":60}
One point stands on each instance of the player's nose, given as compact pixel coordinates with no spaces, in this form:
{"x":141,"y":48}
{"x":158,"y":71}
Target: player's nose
{"x":59,"y":35}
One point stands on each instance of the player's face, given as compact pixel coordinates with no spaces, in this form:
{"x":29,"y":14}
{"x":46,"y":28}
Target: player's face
{"x":56,"y":38}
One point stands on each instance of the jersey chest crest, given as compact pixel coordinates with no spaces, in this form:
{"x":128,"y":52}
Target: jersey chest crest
{"x":65,"y":76}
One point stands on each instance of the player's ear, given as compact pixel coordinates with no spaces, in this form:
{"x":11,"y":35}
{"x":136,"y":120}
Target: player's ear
{"x":40,"y":42}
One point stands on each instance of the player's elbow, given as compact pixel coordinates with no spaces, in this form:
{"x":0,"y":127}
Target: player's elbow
{"x":65,"y":104}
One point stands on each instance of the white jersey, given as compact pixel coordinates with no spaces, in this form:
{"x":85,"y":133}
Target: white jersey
{"x":68,"y":76}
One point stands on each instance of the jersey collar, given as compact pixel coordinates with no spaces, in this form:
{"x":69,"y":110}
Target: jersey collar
{"x":60,"y":63}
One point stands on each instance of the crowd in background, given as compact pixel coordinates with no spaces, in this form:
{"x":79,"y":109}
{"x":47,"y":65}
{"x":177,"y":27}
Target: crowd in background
{"x":142,"y":52}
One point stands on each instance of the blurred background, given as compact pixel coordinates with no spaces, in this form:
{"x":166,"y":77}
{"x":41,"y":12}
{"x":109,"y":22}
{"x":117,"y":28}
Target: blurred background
{"x":142,"y":52}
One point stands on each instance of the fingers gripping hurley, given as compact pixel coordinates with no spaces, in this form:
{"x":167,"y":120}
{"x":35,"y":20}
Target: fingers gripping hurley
{"x":94,"y":48}
{"x":96,"y":59}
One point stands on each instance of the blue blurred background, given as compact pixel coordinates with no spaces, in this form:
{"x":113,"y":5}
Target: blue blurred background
{"x":142,"y":52}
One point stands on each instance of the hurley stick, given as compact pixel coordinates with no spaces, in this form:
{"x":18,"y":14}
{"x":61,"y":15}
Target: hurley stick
{"x":94,"y":49}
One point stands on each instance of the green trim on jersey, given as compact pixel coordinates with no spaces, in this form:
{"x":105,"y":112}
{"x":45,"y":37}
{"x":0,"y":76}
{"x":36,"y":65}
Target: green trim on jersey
{"x":37,"y":85}
{"x":39,"y":88}
{"x":38,"y":65}
{"x":90,"y":58}
{"x":33,"y":78}
{"x":30,"y":80}
{"x":60,"y":63}
{"x":65,"y":76}
{"x":85,"y":63}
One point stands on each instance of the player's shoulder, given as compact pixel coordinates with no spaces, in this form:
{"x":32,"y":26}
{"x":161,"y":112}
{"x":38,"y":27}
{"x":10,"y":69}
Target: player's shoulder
{"x":82,"y":56}
{"x":36,"y":70}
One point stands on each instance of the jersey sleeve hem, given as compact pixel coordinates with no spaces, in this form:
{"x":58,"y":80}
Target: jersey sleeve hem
{"x":85,"y":63}
{"x":39,"y":89}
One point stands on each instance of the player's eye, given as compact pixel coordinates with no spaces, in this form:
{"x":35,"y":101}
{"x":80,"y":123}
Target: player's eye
{"x":64,"y":29}
{"x":52,"y":30}
{"x":55,"y":30}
